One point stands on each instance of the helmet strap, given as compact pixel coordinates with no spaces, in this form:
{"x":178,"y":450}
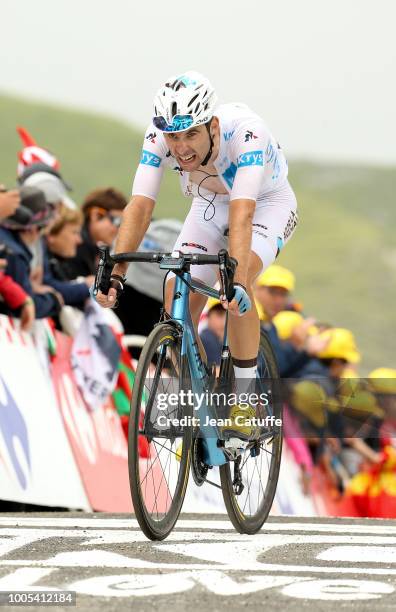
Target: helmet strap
{"x":209,"y":154}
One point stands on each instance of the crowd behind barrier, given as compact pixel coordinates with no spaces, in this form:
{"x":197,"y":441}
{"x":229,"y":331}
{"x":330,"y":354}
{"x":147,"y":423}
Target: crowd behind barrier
{"x":339,"y":428}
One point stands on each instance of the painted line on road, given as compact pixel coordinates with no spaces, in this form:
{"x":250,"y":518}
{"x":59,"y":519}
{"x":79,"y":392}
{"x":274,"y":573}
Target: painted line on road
{"x":199,"y":524}
{"x":73,"y":561}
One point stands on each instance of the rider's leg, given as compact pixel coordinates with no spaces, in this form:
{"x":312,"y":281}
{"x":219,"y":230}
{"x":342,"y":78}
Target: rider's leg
{"x":244,"y":332}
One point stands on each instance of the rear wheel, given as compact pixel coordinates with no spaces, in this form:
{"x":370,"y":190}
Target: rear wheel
{"x":249,"y":483}
{"x":159,"y":449}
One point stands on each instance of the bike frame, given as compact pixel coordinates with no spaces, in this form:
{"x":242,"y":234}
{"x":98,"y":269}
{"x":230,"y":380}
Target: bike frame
{"x":180,"y":312}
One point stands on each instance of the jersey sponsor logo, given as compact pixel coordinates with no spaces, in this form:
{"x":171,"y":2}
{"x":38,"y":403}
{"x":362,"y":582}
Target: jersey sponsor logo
{"x":229,"y":174}
{"x":252,"y":158}
{"x":291,"y":224}
{"x":150,"y":159}
{"x":195,"y":245}
{"x":151,"y":137}
{"x":250,"y":136}
{"x":228,"y":135}
{"x":259,"y":233}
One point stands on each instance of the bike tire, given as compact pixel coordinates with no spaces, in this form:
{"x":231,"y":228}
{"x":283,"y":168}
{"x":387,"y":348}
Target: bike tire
{"x":251,"y":523}
{"x":154,"y":523}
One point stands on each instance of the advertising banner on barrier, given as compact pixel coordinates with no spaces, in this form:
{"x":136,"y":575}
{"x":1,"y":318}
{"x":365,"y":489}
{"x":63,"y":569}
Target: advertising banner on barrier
{"x":36,"y":462}
{"x":96,"y":437}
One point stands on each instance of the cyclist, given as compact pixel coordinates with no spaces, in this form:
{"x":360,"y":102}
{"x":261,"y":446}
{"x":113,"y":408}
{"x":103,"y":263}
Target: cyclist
{"x":236,"y":174}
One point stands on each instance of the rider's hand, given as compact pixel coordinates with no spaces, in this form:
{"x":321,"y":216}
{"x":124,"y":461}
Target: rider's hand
{"x":109,"y":300}
{"x":240,"y":304}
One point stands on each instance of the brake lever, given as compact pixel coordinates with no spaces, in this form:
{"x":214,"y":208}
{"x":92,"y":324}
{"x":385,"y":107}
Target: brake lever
{"x":103,"y":271}
{"x":227,"y":267}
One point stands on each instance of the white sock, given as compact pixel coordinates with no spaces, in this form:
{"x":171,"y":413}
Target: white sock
{"x":245,"y":379}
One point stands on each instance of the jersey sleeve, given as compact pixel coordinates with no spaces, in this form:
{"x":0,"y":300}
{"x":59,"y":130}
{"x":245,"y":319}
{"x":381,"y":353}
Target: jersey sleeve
{"x":149,"y":173}
{"x":249,"y":146}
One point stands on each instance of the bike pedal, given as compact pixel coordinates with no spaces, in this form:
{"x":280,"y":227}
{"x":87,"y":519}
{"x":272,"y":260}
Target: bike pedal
{"x":234,"y":447}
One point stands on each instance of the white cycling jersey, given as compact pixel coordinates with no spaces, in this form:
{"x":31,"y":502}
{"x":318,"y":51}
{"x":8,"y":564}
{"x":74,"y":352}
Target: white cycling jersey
{"x":250,"y":163}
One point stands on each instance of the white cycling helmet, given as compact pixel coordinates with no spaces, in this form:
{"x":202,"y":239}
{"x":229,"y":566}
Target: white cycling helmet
{"x":183,"y":102}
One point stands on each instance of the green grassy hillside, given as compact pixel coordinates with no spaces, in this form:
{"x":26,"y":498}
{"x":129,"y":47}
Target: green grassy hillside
{"x":343,"y":252}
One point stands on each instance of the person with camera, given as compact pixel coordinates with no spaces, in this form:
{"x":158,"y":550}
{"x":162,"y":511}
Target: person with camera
{"x":13,"y":297}
{"x":9,"y":202}
{"x":19,"y":233}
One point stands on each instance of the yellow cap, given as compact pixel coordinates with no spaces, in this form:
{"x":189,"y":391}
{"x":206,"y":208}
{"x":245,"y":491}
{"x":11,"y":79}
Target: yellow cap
{"x":383,"y":380}
{"x":342,"y":345}
{"x":212,"y":302}
{"x":349,"y":382}
{"x":361,"y":404}
{"x":310,"y":399}
{"x":277,"y":276}
{"x":285,"y":321}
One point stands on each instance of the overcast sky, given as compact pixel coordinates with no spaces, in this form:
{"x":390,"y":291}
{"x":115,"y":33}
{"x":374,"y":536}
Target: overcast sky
{"x":321,"y":73}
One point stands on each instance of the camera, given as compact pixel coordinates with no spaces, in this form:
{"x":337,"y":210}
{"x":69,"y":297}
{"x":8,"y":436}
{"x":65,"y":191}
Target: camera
{"x":5,"y":251}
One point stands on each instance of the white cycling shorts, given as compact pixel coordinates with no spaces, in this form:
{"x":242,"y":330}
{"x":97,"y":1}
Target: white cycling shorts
{"x":205,"y":229}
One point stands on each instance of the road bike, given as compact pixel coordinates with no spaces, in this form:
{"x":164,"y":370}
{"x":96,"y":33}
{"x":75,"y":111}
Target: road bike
{"x":177,"y":400}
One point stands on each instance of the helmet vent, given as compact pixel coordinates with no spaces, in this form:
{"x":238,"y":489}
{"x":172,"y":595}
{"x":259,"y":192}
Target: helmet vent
{"x":193,"y":100}
{"x":174,"y":109}
{"x":197,"y":107}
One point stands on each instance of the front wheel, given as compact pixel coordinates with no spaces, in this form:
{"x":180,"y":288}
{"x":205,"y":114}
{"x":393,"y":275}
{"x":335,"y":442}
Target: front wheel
{"x":159,"y":449}
{"x":249,"y":483}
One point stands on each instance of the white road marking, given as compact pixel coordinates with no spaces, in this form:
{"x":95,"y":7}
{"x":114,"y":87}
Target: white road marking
{"x":151,"y":584}
{"x":359,"y":554}
{"x":198,"y":525}
{"x":218,"y":550}
{"x":111,"y":560}
{"x":24,"y":578}
{"x":338,"y":590}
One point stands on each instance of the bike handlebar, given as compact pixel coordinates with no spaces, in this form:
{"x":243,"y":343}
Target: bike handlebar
{"x":168,"y":261}
{"x":189,"y":258}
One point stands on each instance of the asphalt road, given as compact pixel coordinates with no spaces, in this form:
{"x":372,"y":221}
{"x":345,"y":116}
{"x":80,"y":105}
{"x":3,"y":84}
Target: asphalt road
{"x":292,"y":564}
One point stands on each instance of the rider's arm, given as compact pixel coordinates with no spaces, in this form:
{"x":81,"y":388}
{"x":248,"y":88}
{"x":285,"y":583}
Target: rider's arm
{"x":240,"y":235}
{"x":135,"y":221}
{"x":248,"y":152}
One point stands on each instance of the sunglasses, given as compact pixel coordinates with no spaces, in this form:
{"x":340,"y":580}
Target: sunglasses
{"x":179,"y":123}
{"x":105,"y":214}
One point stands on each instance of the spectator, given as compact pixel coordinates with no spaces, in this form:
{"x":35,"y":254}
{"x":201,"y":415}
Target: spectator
{"x":61,"y":242}
{"x":9,"y":202}
{"x":272,"y":291}
{"x":14,"y":298}
{"x":19,"y":238}
{"x":102,"y":210}
{"x":50,"y":182}
{"x":34,"y":173}
{"x":62,"y":239}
